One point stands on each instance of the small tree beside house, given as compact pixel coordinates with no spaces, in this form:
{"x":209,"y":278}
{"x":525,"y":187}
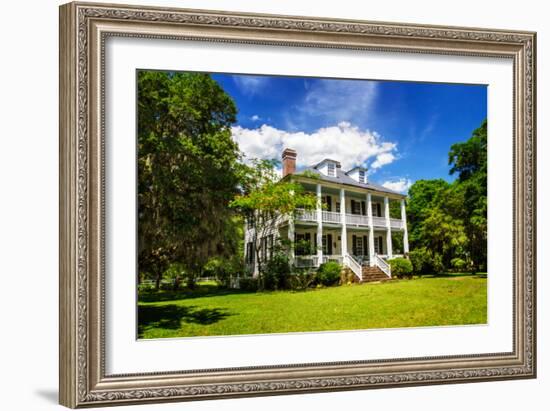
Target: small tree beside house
{"x":265,"y":202}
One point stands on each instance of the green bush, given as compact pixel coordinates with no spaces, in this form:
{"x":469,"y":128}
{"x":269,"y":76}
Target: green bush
{"x":146,"y":287}
{"x":275,"y":272}
{"x":248,"y":284}
{"x":458,"y":264}
{"x":421,"y":261}
{"x":401,"y":267}
{"x":302,"y":280}
{"x":426,"y":262}
{"x":329,"y":273}
{"x":437,"y":264}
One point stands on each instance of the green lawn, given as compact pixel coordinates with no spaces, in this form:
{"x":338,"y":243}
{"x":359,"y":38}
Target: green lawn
{"x":447,"y":300}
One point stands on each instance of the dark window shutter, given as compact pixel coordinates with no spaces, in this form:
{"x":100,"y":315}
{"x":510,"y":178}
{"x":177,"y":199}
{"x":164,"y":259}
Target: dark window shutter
{"x":353,"y":206}
{"x":380,"y":244}
{"x":354,"y":244}
{"x":329,"y":244}
{"x":363,"y":208}
{"x":329,"y":203}
{"x":379,"y":209}
{"x":365,"y":248}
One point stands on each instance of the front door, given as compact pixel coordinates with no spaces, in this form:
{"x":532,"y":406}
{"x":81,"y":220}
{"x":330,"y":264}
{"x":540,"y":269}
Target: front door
{"x":378,"y":249}
{"x":360,"y":248}
{"x":327,"y":244}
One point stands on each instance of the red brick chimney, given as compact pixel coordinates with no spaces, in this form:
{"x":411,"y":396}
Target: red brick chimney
{"x":289,"y":161}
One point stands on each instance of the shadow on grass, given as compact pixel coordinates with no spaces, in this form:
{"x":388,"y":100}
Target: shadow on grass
{"x":171,"y":316}
{"x":199,"y":292}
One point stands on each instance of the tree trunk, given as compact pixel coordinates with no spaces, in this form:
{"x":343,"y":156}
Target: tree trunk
{"x":158,"y":277}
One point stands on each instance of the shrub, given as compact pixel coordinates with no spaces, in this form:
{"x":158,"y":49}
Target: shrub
{"x":248,"y":284}
{"x":301,"y":280}
{"x":426,"y":262}
{"x":401,"y":267}
{"x":437,"y":264}
{"x":421,"y":261}
{"x":146,"y":287}
{"x":275,"y":272}
{"x":458,"y":264}
{"x":329,"y":273}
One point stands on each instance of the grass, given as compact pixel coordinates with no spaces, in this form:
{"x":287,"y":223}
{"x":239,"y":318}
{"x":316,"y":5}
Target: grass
{"x":456,"y":299}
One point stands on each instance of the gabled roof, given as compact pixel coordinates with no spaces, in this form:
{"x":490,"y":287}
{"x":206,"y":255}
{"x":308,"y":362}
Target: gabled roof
{"x":343,"y":178}
{"x":327,"y":160}
{"x":356,"y":168}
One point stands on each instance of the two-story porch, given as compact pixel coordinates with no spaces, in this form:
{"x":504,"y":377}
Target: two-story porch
{"x":351,"y":226}
{"x":352,"y":223}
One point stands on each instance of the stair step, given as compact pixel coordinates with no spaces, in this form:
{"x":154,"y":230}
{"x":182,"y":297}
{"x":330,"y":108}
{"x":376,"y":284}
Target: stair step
{"x":372,"y":274}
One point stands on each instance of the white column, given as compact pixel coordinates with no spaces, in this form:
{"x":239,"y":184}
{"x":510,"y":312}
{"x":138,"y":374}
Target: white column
{"x":344,"y":233}
{"x":319,"y":226}
{"x":246,"y":240}
{"x":371,"y":230}
{"x":405,"y":230}
{"x":388,"y":227}
{"x":291,"y":239}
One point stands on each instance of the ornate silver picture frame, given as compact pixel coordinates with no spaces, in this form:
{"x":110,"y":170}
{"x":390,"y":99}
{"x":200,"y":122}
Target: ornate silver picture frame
{"x":84,"y":30}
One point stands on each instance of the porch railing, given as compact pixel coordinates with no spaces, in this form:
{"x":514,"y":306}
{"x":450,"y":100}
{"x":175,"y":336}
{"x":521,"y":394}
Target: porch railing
{"x":357,"y":219}
{"x":306,"y":261}
{"x":310,"y":261}
{"x":382,"y":264}
{"x":395,"y":223}
{"x":306,"y":215}
{"x":351,"y":219}
{"x":336,"y":258}
{"x":379,"y":221}
{"x":354,"y":266}
{"x":331,"y":217}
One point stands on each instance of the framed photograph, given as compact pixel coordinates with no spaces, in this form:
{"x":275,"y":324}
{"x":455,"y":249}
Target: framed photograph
{"x":260,"y":205}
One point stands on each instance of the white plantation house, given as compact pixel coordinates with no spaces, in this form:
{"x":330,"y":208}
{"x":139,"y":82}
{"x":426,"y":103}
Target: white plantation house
{"x":353,"y":227}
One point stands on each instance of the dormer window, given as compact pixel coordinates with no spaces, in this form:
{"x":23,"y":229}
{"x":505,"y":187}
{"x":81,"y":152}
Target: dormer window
{"x":358,"y":174}
{"x":328,"y":167}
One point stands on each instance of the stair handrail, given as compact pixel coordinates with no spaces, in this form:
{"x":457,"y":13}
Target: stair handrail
{"x":353,"y":265}
{"x":382,"y":264}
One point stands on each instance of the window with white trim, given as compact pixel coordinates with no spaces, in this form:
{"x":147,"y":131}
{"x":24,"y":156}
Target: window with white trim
{"x":362,"y":176}
{"x":331,"y":169}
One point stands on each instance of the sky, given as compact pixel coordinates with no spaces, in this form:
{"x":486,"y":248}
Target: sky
{"x":400,"y":131}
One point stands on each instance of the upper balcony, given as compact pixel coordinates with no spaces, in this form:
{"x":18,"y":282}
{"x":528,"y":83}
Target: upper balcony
{"x":354,"y":220}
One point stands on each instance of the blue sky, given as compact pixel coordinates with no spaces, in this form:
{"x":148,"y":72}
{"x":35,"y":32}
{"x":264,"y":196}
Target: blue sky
{"x":401,"y":131}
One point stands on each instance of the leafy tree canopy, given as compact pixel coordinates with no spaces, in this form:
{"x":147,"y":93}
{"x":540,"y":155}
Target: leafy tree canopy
{"x":450,"y":219}
{"x":188,"y":170}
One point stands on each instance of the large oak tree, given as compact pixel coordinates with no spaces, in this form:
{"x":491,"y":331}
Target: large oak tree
{"x":188,"y":171}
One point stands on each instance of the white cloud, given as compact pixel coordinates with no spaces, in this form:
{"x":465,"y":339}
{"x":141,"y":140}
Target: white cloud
{"x":255,"y":117}
{"x":345,"y":143}
{"x":339,"y":100}
{"x":401,"y":185}
{"x":382,"y":159}
{"x":250,"y":85}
